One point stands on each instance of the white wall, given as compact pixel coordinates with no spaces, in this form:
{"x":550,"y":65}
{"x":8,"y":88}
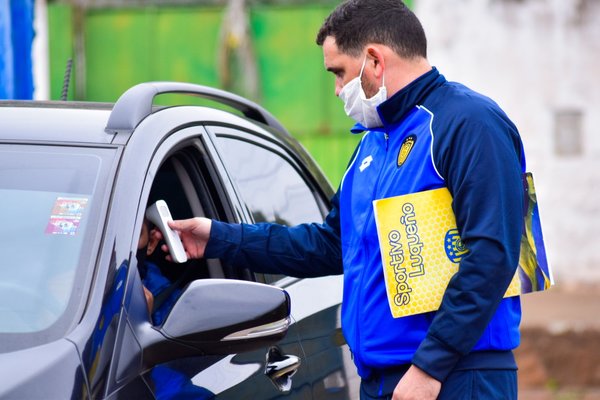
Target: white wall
{"x":40,"y":58}
{"x":536,"y":57}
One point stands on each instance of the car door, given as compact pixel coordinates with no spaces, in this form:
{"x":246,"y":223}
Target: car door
{"x":276,"y":185}
{"x":187,"y":174}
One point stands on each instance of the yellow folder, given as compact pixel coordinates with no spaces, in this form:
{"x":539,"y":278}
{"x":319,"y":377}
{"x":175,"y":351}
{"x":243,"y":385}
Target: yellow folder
{"x":421,"y":249}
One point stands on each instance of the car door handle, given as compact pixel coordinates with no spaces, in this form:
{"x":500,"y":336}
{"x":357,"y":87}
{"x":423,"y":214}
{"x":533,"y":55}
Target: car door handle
{"x":280,"y":368}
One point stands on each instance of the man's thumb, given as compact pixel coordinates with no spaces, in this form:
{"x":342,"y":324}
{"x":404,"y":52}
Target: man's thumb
{"x":188,"y":225}
{"x":179,"y":225}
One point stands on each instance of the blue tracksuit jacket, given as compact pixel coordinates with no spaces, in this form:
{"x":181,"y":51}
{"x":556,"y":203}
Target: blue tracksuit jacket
{"x":460,"y":140}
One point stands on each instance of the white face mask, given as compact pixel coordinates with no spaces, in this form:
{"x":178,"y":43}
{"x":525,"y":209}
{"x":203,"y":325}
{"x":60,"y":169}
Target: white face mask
{"x":356,"y":104}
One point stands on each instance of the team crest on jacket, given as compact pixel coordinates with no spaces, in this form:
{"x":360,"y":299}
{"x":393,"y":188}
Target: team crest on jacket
{"x":407,"y":146}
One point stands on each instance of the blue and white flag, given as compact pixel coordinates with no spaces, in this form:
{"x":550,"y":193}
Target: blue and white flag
{"x":16,"y":39}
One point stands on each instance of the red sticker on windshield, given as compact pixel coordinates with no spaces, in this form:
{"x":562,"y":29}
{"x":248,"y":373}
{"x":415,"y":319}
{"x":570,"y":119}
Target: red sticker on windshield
{"x":66,"y":216}
{"x":62,"y":226}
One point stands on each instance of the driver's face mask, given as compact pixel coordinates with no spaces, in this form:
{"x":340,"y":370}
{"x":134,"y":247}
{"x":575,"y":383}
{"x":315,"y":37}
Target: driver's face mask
{"x":356,"y":104}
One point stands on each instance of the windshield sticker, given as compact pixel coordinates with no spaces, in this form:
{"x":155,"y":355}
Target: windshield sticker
{"x":62,"y":226}
{"x":66,"y":216}
{"x":69,"y":207}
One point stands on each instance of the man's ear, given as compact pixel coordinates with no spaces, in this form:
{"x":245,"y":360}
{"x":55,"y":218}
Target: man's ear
{"x":152,"y":242}
{"x":375,"y":56}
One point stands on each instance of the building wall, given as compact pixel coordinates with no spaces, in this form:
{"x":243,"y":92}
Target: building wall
{"x":539,"y":59}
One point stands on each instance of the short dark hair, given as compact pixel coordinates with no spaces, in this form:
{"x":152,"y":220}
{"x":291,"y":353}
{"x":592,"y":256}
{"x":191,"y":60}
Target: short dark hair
{"x":355,"y":23}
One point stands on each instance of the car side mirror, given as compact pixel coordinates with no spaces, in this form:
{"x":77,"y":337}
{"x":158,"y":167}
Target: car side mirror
{"x":221,"y":316}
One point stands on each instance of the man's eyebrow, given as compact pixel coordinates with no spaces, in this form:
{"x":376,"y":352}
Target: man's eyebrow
{"x":335,"y":70}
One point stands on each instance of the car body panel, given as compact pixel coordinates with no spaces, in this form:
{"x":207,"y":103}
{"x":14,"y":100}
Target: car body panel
{"x":45,"y":365}
{"x":29,"y":121}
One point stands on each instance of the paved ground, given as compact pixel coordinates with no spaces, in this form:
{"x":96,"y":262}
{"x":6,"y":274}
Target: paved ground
{"x":559,"y":358}
{"x":573,"y":307}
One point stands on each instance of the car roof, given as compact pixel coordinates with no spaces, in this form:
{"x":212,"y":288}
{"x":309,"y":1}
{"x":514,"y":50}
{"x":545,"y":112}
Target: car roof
{"x":100,"y":123}
{"x":73,"y":122}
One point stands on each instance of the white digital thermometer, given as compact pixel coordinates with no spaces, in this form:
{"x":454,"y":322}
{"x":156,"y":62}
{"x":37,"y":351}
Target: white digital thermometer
{"x":159,"y":214}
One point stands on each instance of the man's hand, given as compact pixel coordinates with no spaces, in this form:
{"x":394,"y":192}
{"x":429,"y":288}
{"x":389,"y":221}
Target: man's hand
{"x":417,"y":385}
{"x":194,"y":234}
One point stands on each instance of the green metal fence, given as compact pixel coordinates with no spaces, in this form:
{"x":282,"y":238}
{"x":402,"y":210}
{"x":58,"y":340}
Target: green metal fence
{"x":116,"y":48}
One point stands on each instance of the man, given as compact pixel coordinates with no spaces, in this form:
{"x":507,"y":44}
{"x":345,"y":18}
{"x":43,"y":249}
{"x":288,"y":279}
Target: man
{"x":421,"y":132}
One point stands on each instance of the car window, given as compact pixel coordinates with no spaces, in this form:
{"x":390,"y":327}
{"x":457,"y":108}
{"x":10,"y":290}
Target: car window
{"x":48,"y":208}
{"x":272,"y":188}
{"x":183,"y":181}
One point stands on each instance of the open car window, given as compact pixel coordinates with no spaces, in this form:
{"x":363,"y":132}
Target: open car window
{"x":185,"y":182}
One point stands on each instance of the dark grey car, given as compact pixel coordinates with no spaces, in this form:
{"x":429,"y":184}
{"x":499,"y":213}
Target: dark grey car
{"x":75,"y":180}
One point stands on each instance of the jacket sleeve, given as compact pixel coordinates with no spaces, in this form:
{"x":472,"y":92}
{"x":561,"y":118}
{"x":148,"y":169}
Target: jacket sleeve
{"x":305,"y":250}
{"x":481,"y":162}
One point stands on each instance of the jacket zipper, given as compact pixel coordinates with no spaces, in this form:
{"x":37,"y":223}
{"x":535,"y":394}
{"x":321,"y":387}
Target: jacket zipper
{"x":362,"y":271}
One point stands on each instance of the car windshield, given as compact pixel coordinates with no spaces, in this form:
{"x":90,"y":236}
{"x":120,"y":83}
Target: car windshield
{"x":49,"y":200}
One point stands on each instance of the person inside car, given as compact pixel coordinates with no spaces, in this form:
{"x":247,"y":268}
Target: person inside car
{"x":160,"y":295}
{"x":156,"y":285}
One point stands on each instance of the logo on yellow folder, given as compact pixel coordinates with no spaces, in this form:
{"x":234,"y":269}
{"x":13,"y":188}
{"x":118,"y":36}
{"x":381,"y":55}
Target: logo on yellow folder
{"x":405,"y":148}
{"x":454,"y":246}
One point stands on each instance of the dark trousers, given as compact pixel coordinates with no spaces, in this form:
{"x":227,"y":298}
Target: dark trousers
{"x":473,"y":384}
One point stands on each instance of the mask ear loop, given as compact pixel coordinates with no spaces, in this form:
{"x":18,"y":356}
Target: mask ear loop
{"x":362,"y":68}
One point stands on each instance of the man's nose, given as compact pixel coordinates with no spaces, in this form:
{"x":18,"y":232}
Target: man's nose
{"x":338,"y":89}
